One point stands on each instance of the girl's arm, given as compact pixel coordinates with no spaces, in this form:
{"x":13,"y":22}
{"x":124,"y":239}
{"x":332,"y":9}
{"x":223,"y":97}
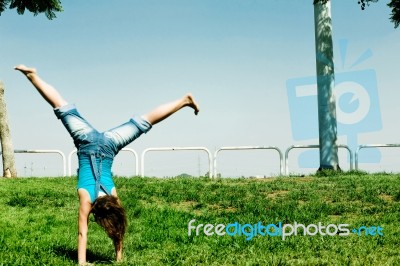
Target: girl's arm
{"x":83,"y":219}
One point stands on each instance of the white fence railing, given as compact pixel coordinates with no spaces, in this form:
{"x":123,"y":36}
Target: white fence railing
{"x":372,"y":146}
{"x":315,"y":146}
{"x":212,"y":165}
{"x":64,"y":163}
{"x":179,"y":149}
{"x":249,"y":148}
{"x":124,"y":149}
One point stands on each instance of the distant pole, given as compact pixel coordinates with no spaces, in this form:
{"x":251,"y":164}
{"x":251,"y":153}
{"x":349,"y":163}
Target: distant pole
{"x":328,"y":151}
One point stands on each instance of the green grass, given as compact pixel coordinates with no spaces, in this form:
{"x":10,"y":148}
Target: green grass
{"x":39,"y":216}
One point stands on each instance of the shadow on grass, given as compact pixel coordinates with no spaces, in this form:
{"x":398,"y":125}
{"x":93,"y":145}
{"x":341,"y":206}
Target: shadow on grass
{"x":72,"y":254}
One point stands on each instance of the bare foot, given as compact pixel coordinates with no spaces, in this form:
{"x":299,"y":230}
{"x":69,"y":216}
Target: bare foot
{"x":26,"y":70}
{"x":192,"y":103}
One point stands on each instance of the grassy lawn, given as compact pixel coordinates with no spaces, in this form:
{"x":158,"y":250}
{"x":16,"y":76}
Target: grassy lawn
{"x":39,"y":221}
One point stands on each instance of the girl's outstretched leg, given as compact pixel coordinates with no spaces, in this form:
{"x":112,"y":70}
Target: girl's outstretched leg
{"x":48,"y":92}
{"x":165,"y":110}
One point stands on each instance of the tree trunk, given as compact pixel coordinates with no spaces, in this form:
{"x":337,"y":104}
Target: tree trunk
{"x":5,"y":138}
{"x":325,"y":82}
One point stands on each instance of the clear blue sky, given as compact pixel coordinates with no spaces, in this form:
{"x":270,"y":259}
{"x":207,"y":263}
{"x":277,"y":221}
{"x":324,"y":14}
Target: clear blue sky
{"x":118,"y":59}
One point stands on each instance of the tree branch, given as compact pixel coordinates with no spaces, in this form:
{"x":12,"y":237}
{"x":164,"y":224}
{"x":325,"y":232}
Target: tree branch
{"x":49,"y":7}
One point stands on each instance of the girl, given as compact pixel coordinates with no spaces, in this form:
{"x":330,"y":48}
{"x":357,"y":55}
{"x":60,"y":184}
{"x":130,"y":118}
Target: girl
{"x":96,"y":152}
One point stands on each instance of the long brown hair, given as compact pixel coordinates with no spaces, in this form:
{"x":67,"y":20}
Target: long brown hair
{"x":109,"y":214}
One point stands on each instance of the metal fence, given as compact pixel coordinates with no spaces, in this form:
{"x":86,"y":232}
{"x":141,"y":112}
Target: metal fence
{"x":313,"y":146}
{"x":249,"y":148}
{"x":135,"y":154}
{"x":360,"y":147}
{"x":64,"y":162}
{"x":178,"y":149}
{"x":212,"y":160}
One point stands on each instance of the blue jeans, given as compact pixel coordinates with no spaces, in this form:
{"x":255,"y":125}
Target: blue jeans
{"x":96,"y":150}
{"x":108,"y":143}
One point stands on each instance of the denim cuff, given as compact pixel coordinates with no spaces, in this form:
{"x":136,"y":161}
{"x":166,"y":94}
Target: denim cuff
{"x":64,"y":110}
{"x":141,"y":123}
